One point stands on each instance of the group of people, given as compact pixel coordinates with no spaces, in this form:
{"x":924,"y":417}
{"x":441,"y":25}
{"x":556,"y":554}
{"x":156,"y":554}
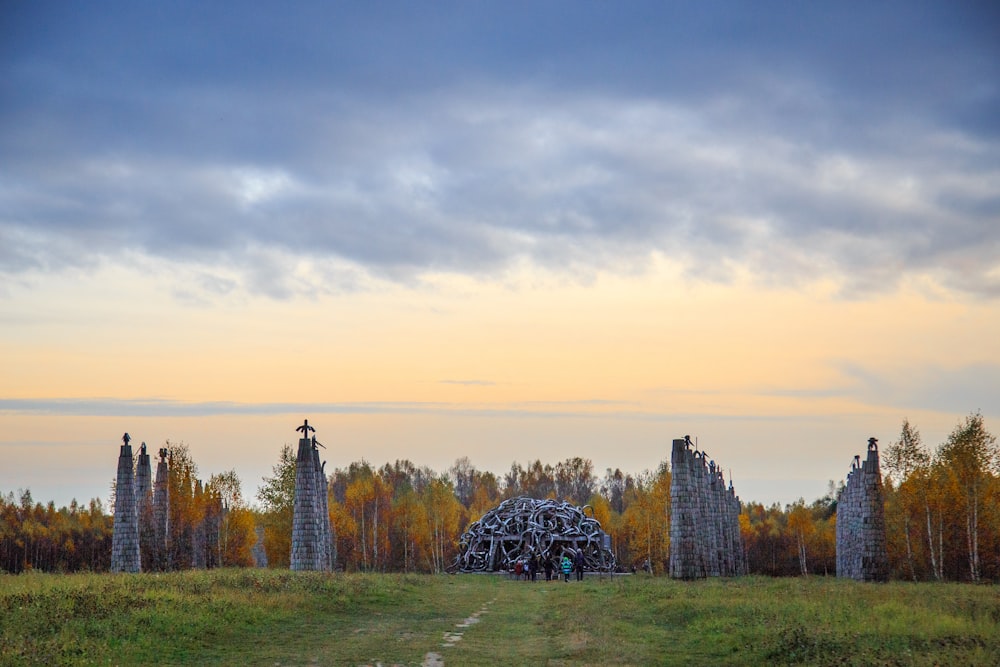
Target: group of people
{"x":572,"y":560}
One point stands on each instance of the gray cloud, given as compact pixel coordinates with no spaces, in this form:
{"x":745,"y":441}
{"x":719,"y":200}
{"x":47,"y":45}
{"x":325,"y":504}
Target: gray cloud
{"x":778,"y":150}
{"x":154,"y":407}
{"x":960,"y":390}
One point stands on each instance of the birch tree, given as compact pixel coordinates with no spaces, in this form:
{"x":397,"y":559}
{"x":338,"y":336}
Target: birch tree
{"x":970,"y":459}
{"x":907,"y":462}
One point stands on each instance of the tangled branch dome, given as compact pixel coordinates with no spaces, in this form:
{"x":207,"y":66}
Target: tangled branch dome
{"x":524,"y":527}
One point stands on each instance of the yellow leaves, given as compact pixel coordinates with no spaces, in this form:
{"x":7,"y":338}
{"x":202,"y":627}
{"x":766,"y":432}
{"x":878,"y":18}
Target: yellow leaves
{"x":800,"y":520}
{"x":482,"y":502}
{"x":746,"y":529}
{"x":444,"y":514}
{"x":368,"y":499}
{"x":237,"y":538}
{"x":602,"y":510}
{"x":227,"y":487}
{"x":343,"y":523}
{"x":278,"y":538}
{"x":645,"y":523}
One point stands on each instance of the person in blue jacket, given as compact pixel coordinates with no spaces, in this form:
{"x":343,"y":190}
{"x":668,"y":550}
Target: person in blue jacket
{"x":567,"y":566}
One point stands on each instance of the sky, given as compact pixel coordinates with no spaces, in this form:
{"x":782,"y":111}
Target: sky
{"x":502,"y":230}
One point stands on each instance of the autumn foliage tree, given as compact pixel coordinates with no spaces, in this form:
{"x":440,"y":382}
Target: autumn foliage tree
{"x":942,"y":509}
{"x":645,"y":523}
{"x":277,"y":495}
{"x":40,"y":537}
{"x":184,"y":513}
{"x":970,"y":462}
{"x":34,"y":536}
{"x":907,"y":462}
{"x":793,"y":540}
{"x":237,"y":533}
{"x":368,"y":500}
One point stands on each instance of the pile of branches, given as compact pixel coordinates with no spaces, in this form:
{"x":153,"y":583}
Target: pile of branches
{"x":522,"y":528}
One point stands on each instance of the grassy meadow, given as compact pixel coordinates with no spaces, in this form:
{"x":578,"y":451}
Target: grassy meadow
{"x":265,"y":617}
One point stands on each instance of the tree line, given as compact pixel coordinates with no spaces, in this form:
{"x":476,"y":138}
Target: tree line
{"x":942,"y":511}
{"x":77,"y":538}
{"x":404,"y":518}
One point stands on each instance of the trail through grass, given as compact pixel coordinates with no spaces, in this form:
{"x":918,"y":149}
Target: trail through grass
{"x":255,"y":617}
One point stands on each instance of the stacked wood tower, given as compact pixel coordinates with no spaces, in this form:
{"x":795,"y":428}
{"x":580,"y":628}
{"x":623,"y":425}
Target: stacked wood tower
{"x":258,"y":550}
{"x":125,"y":538}
{"x":705,"y":538}
{"x":144,"y":506}
{"x":161,"y":513}
{"x":327,"y":555}
{"x":199,"y":536}
{"x":311,"y":533}
{"x":143,"y":481}
{"x":861,"y":543}
{"x":141,"y":539}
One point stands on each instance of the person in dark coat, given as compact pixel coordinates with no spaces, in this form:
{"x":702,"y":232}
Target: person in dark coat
{"x":548,"y":567}
{"x":578,"y":563}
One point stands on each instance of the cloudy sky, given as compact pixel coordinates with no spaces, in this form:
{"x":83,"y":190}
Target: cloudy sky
{"x":506,"y":231}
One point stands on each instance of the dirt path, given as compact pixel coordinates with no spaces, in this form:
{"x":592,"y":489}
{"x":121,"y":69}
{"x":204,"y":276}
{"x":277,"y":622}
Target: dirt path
{"x":452,"y":637}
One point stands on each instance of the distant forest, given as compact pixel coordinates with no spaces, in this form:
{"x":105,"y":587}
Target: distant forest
{"x":942,"y":511}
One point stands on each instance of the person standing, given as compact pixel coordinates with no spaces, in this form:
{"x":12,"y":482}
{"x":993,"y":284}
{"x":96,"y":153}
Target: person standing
{"x":548,"y":566}
{"x":578,"y":563}
{"x":567,"y":566}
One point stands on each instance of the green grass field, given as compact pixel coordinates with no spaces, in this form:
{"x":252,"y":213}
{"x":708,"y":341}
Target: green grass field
{"x":259,"y":617}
